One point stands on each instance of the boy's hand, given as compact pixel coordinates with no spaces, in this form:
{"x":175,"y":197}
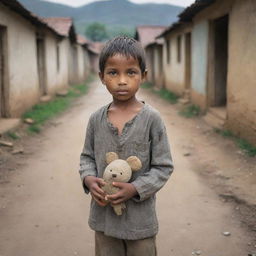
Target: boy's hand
{"x":127,"y":191}
{"x":94,"y":185}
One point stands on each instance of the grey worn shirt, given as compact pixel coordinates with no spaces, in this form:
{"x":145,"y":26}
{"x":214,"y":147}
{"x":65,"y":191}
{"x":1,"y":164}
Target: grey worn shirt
{"x":145,"y":137}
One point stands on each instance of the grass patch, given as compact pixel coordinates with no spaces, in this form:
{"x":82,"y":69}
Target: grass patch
{"x":147,"y":85}
{"x":248,"y":148}
{"x":34,"y":129}
{"x":163,"y":93}
{"x":168,"y":95}
{"x":243,"y":144}
{"x":13,"y":135}
{"x":224,"y":133}
{"x":42,"y":112}
{"x":190,"y":111}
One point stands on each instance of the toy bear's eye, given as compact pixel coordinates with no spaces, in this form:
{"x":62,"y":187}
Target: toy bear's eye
{"x":110,"y":170}
{"x":121,"y":173}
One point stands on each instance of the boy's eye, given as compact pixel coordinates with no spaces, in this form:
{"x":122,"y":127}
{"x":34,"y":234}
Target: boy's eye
{"x":112,"y":73}
{"x":131,"y":72}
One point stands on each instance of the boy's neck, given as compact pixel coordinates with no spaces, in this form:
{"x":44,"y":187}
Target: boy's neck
{"x":131,"y":103}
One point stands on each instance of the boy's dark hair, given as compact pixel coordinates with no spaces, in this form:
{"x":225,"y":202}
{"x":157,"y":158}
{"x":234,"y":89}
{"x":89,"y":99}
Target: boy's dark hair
{"x":125,"y":46}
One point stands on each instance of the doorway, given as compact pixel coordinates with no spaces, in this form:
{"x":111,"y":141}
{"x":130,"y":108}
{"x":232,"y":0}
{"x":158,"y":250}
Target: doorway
{"x":74,"y":64}
{"x":188,"y":61}
{"x":3,"y":68}
{"x":40,"y":44}
{"x":220,"y":30}
{"x":159,"y":80}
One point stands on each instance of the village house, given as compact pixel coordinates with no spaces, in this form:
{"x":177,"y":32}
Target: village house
{"x":177,"y":58}
{"x":84,"y":64}
{"x":153,"y":48}
{"x":209,"y":56}
{"x":94,"y":49}
{"x":26,"y":47}
{"x":154,"y":53}
{"x":223,"y":62}
{"x":65,"y":27}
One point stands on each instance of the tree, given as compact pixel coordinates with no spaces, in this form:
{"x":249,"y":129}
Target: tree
{"x":96,"y":32}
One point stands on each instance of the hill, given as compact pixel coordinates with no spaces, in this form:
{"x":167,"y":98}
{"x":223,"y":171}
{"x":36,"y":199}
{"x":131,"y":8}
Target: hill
{"x":120,"y":12}
{"x":117,"y":15}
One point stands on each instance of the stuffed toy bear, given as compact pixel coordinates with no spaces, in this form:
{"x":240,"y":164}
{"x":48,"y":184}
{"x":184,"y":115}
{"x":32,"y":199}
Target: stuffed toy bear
{"x":120,"y":171}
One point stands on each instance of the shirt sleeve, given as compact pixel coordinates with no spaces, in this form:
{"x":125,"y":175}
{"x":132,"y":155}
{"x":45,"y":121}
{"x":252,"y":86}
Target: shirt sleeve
{"x":161,"y":165}
{"x":87,"y":159}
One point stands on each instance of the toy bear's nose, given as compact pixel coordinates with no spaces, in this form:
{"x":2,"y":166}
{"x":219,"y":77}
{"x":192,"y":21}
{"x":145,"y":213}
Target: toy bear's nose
{"x":114,"y":175}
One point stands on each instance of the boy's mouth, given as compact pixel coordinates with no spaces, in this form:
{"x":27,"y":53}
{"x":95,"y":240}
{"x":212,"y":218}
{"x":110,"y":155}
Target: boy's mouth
{"x":122,"y":92}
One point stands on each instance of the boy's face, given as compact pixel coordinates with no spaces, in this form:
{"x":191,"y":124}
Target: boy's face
{"x":122,"y":77}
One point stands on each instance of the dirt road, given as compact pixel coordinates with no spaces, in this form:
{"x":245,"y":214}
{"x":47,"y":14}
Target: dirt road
{"x":44,"y":212}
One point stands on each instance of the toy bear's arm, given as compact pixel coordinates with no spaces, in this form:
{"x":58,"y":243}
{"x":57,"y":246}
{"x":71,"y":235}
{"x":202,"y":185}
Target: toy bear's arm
{"x":109,"y":189}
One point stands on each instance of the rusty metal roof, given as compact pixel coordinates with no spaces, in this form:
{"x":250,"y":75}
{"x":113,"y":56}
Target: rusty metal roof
{"x":147,"y":34}
{"x":15,"y":6}
{"x":194,"y":8}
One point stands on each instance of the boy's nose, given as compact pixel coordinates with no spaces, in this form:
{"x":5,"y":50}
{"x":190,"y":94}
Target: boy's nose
{"x":114,"y":175}
{"x":122,"y":80}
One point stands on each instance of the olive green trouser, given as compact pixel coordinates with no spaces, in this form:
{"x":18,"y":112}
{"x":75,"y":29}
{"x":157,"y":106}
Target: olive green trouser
{"x":110,"y":246}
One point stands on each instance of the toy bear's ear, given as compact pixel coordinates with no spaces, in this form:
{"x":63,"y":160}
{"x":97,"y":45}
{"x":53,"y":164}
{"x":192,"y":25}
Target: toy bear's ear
{"x":134,"y":163}
{"x":111,"y":156}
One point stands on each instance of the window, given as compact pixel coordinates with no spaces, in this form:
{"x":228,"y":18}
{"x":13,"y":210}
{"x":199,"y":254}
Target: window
{"x":179,"y":49}
{"x":58,"y":56}
{"x":168,"y":51}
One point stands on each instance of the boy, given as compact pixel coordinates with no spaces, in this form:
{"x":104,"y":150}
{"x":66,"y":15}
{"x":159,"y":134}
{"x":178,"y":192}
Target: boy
{"x":128,"y":127}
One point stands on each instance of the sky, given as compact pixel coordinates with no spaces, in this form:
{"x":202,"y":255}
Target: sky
{"x":76,"y":3}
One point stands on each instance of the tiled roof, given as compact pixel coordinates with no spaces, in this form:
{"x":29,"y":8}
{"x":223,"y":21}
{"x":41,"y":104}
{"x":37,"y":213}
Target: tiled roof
{"x":95,"y":47}
{"x":62,"y":25}
{"x":147,"y":34}
{"x":81,"y":39}
{"x":21,"y":10}
{"x":157,"y":42}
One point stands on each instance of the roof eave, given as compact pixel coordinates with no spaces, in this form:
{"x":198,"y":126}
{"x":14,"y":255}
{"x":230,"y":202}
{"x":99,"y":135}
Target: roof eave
{"x":188,"y":14}
{"x":31,"y":17}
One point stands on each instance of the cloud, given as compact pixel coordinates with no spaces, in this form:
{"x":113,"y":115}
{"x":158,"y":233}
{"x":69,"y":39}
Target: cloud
{"x":76,"y":3}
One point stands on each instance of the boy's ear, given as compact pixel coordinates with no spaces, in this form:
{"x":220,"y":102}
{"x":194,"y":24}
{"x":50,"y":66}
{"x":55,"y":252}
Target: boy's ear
{"x":101,"y":76}
{"x":144,"y":75}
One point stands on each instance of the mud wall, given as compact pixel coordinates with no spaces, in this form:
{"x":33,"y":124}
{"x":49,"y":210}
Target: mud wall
{"x":150,"y":63}
{"x":242,"y":66}
{"x":174,"y":71}
{"x":87,"y":68}
{"x":158,"y":66}
{"x":22,"y":77}
{"x":199,"y":56}
{"x":81,"y":68}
